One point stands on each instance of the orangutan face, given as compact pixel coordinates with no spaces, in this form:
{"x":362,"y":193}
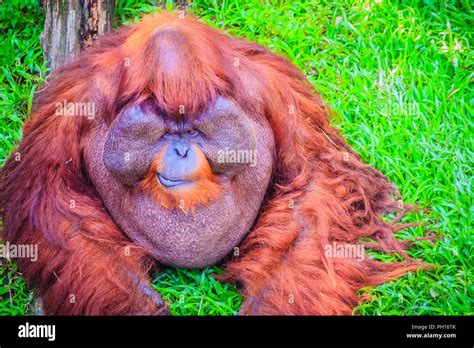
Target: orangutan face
{"x":189,"y":189}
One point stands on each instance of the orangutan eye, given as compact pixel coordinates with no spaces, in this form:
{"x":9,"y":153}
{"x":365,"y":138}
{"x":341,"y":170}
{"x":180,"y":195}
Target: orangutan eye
{"x":190,"y":132}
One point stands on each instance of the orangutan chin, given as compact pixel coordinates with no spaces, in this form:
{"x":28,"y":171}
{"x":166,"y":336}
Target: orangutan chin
{"x":201,"y":149}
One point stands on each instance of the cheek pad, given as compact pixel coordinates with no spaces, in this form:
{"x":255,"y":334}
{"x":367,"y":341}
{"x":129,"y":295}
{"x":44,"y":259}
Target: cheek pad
{"x":230,"y":143}
{"x":132,"y":143}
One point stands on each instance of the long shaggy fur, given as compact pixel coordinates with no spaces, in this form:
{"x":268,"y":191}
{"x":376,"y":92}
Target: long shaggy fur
{"x":320,"y":193}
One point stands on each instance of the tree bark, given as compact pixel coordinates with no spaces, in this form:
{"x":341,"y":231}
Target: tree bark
{"x":73,"y":25}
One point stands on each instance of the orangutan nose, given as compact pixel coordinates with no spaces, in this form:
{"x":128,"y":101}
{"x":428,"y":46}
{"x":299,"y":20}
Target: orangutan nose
{"x":179,"y":163}
{"x":181,"y":148}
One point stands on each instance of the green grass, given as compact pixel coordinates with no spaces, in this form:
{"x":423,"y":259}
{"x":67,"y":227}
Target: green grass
{"x":398,"y":76}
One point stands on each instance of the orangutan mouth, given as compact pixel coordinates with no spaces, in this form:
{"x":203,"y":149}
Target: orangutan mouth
{"x":170,"y":183}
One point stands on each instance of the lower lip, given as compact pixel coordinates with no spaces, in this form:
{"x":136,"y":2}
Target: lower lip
{"x":171,"y":183}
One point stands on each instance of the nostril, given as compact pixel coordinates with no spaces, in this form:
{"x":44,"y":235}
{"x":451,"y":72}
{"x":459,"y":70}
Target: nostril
{"x":181,"y":149}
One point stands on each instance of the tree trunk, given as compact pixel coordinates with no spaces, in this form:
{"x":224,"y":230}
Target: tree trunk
{"x":73,"y":25}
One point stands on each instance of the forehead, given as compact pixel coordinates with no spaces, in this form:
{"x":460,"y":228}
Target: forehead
{"x":184,"y":66}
